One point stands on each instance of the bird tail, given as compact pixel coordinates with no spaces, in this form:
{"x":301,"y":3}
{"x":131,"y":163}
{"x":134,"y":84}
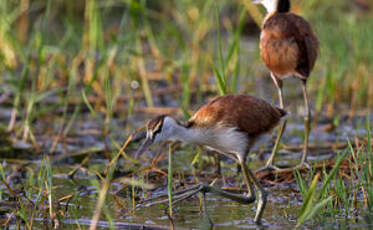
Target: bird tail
{"x":283,"y":113}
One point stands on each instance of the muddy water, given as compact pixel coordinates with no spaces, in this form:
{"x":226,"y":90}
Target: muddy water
{"x":280,"y":213}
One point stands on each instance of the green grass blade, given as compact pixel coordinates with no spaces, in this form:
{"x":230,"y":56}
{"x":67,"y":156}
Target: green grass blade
{"x":220,"y":81}
{"x":332,"y":173}
{"x":309,"y":200}
{"x":220,"y":46}
{"x":315,"y":209}
{"x":170,"y":177}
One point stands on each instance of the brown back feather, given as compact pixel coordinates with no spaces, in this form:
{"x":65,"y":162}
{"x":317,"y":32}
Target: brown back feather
{"x":249,"y":114}
{"x":288,"y":44}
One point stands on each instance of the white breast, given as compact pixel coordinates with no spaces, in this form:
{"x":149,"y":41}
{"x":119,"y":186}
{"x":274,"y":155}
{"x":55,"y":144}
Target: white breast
{"x":225,"y":140}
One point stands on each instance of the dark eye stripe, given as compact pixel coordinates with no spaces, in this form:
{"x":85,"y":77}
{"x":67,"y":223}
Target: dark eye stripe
{"x":158,"y":130}
{"x":155,"y":125}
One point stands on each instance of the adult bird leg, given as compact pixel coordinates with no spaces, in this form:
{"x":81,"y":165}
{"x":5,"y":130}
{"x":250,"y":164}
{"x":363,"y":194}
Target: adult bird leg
{"x":307,"y":124}
{"x":270,"y":162}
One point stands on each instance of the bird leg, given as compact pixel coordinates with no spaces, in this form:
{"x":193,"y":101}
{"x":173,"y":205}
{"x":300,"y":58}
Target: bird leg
{"x":278,"y":84}
{"x":217,"y":163}
{"x":249,"y":180}
{"x":307,"y":124}
{"x":270,"y":162}
{"x":262,"y":201}
{"x":249,"y":184}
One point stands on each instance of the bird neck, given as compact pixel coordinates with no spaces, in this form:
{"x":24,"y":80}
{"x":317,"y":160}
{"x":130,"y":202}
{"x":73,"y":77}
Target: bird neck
{"x":276,"y":6}
{"x":283,"y":6}
{"x":188,"y":135}
{"x":175,"y":131}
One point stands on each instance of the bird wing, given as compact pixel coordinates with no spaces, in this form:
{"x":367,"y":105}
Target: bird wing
{"x":307,"y":42}
{"x":312,"y":46}
{"x":249,"y":114}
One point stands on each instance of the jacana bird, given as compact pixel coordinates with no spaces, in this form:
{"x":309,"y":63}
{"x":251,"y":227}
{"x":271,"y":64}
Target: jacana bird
{"x":232,"y":125}
{"x":289,"y":48}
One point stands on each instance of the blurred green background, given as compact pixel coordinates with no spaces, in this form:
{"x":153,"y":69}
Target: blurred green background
{"x":118,"y":57}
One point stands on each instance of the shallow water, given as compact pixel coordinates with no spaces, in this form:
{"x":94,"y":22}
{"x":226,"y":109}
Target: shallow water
{"x":280,"y":213}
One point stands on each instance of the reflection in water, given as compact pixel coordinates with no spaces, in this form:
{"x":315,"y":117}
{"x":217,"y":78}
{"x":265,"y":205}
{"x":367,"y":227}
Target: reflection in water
{"x":206,"y":222}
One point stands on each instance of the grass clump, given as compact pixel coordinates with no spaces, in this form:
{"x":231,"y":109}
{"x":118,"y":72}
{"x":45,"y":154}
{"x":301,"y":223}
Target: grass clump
{"x":63,"y":48}
{"x":337,"y":194}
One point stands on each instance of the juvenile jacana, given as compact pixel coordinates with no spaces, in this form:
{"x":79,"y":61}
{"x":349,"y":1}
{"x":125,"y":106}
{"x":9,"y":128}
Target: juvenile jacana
{"x":232,"y":125}
{"x":289,"y":48}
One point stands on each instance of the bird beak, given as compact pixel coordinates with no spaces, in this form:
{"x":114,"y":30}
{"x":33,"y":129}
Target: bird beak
{"x":255,"y":2}
{"x":143,"y":147}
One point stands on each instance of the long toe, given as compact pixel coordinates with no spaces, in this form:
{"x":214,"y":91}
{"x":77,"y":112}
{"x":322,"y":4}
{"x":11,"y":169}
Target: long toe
{"x":303,"y":165}
{"x":176,"y":196}
{"x":268,"y":167}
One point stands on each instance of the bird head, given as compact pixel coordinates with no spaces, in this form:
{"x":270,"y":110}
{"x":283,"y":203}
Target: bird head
{"x":158,"y":129}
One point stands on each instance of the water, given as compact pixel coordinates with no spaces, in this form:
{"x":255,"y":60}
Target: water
{"x":280,"y":213}
{"x":283,"y":202}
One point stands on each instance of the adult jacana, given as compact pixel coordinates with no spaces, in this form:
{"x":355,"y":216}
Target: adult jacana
{"x":232,"y":125}
{"x":289,"y":48}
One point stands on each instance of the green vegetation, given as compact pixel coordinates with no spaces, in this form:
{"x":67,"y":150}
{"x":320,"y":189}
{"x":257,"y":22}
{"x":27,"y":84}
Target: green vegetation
{"x":68,"y":61}
{"x":344,"y":198}
{"x":169,"y":180}
{"x":59,"y":49}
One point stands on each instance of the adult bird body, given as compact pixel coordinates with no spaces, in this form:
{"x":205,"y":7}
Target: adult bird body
{"x":289,"y":48}
{"x":232,"y":125}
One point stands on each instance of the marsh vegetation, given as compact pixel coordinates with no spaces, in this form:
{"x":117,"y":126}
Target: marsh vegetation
{"x":80,"y":78}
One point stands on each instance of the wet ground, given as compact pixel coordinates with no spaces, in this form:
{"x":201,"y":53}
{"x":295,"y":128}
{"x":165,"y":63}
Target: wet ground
{"x":85,"y":140}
